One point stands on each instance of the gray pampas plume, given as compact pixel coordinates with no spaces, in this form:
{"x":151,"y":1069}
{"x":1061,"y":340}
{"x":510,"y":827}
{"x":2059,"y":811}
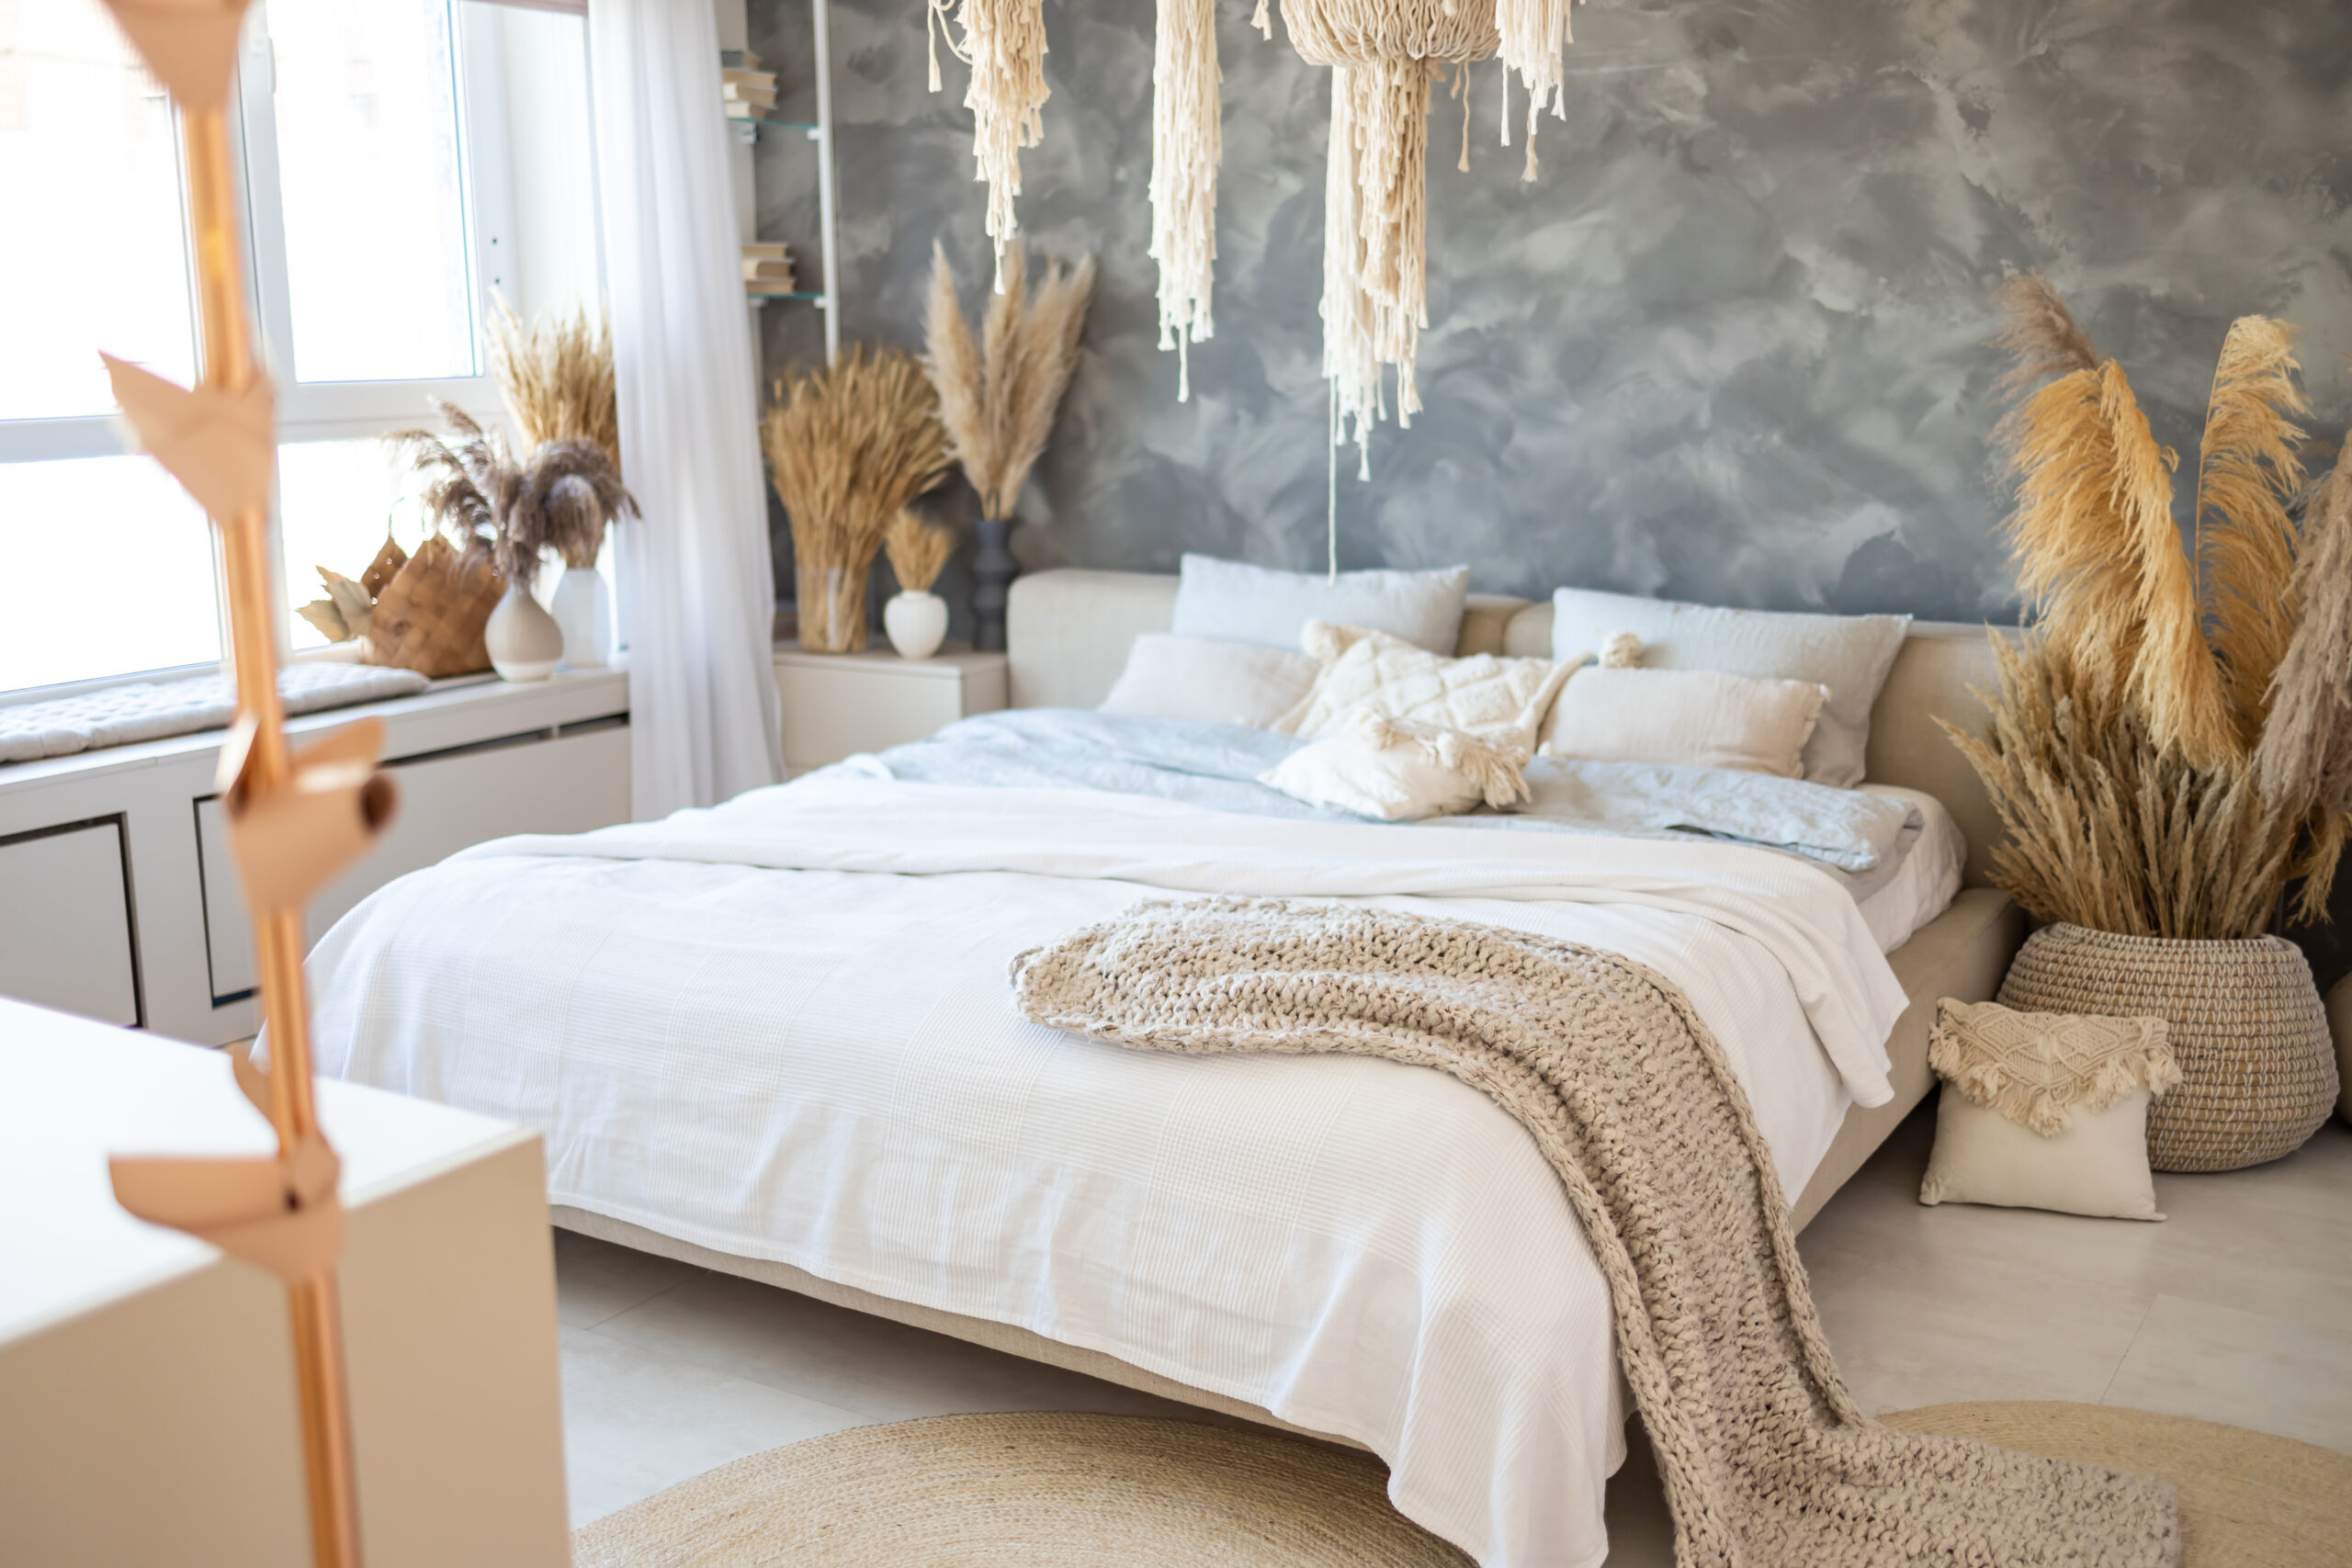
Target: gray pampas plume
{"x":997,"y":399}
{"x":2305,"y":759}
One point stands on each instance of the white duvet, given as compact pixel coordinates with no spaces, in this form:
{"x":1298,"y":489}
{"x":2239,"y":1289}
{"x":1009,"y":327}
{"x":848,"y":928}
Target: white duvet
{"x":781,"y":1028}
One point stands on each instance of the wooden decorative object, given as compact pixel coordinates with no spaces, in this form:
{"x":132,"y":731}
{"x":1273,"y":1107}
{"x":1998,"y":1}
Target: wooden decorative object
{"x":295,"y":821}
{"x":430,"y":617}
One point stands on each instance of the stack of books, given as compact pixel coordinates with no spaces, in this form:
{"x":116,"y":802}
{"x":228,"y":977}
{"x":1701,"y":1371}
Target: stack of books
{"x":767,"y":270}
{"x":749,"y":92}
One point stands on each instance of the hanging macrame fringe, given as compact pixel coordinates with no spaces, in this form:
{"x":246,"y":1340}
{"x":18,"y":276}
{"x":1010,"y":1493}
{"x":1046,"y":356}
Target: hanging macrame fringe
{"x":1185,"y":148}
{"x":1534,"y":36}
{"x":1004,"y":43}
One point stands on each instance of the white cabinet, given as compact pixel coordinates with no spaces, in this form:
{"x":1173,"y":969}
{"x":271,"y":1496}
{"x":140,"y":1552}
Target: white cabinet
{"x":65,"y":939}
{"x":837,"y":705}
{"x":117,"y":898}
{"x":567,"y":784}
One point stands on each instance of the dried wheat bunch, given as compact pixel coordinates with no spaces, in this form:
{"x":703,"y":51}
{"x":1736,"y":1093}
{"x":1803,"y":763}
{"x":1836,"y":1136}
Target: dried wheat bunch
{"x":918,"y":551}
{"x":997,"y":399}
{"x":556,"y":374}
{"x":479,"y":495}
{"x":848,"y":447}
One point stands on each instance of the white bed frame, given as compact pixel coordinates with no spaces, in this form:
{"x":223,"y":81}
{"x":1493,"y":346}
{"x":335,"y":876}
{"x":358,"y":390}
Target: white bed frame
{"x":1068,"y":633}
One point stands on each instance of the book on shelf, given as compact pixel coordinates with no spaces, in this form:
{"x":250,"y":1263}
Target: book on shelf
{"x":738,"y":60}
{"x":764,"y":288}
{"x":740,"y":110}
{"x":764,"y":97}
{"x":766,"y":250}
{"x":766,"y":271}
{"x":757,"y":81}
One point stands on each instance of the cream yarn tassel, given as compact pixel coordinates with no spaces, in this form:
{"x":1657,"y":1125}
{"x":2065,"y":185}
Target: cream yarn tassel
{"x":1004,"y":43}
{"x":1385,"y":55}
{"x":1535,"y":35}
{"x":1185,"y":147}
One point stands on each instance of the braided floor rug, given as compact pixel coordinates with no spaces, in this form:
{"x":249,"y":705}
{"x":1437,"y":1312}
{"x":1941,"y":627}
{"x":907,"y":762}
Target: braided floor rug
{"x":1766,"y":1458}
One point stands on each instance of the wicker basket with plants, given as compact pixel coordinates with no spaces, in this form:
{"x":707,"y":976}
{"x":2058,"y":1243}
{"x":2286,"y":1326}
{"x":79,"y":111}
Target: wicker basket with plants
{"x":2171,"y":745}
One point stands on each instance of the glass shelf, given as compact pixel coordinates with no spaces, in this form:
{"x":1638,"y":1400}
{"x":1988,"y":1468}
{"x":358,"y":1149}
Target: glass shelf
{"x":763,"y":299}
{"x":802,"y":125}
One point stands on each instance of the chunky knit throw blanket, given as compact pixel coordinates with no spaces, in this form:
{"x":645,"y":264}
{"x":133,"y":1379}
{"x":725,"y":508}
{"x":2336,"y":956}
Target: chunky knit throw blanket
{"x":1766,"y":1457}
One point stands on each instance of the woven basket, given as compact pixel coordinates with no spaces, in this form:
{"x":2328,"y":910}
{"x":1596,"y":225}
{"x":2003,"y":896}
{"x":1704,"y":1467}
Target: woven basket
{"x":2257,"y":1066}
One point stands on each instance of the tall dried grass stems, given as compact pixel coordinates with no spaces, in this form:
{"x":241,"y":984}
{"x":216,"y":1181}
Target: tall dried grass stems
{"x":2173,"y":743}
{"x":556,"y":374}
{"x":848,"y":447}
{"x":918,"y":551}
{"x":1185,"y":147}
{"x":1004,"y":43}
{"x":997,"y":397}
{"x":479,"y":495}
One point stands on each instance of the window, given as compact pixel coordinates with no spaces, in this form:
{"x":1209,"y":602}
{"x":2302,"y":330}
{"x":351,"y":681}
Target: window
{"x":401,"y":161}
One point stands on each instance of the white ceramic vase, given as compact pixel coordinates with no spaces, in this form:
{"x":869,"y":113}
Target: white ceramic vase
{"x":524,"y":642}
{"x":583,"y":608}
{"x":917,"y":624}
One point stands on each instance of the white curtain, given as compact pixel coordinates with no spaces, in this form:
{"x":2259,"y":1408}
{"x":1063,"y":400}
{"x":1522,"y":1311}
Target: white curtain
{"x":695,"y":575}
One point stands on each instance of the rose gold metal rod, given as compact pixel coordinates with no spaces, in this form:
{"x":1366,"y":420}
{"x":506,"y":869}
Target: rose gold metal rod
{"x":311,"y":1304}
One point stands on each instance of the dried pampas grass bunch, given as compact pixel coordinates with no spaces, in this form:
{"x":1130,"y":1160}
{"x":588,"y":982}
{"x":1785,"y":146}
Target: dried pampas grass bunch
{"x":848,"y":447}
{"x":483,"y":497}
{"x":918,"y":551}
{"x":2172,"y":744}
{"x":556,"y":374}
{"x":997,"y":399}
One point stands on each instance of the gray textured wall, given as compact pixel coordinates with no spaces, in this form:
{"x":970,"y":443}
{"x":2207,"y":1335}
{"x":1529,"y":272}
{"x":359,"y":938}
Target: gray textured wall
{"x":1726,"y":347}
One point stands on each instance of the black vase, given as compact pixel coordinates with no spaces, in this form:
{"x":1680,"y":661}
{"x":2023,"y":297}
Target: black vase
{"x":993,"y":571}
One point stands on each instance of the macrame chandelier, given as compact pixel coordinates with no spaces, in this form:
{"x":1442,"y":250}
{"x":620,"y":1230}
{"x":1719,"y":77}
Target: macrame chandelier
{"x":1385,"y":56}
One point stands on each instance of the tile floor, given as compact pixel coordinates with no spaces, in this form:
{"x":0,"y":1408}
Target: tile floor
{"x":2237,"y":1308}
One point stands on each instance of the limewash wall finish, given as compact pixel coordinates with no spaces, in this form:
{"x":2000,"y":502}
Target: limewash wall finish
{"x":1726,"y":347}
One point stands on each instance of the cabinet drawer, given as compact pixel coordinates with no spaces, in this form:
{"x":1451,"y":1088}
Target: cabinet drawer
{"x":65,"y":937}
{"x":567,"y":784}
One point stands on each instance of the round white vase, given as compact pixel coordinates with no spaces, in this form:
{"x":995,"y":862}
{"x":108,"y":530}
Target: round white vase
{"x":524,"y":642}
{"x":917,"y":624}
{"x":582,"y":608}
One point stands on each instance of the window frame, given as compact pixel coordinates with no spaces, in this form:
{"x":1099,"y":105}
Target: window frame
{"x":317,"y":411}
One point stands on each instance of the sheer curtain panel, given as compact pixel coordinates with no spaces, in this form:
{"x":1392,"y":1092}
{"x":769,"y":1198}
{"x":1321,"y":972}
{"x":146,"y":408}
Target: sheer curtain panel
{"x":697,"y":576}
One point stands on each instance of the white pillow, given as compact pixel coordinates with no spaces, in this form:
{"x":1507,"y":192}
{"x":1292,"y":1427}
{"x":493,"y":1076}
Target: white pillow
{"x":1256,"y":604}
{"x":2098,"y":1167}
{"x":1692,"y":718}
{"x":1400,"y":772}
{"x":1849,"y":654}
{"x":2045,"y":1109}
{"x":1368,"y":672}
{"x":1198,"y":677}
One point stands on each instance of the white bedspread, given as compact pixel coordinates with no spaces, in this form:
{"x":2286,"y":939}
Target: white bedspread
{"x":780,"y":1029}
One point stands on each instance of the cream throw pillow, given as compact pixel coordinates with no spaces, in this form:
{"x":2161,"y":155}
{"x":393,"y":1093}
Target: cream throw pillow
{"x":2045,"y":1109}
{"x":1364,"y":670}
{"x":1400,"y":772}
{"x":1692,"y":718}
{"x":1199,"y":677}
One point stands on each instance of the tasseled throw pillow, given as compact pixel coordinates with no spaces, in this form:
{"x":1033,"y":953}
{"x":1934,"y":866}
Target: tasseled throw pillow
{"x":1398,"y":771}
{"x":2045,"y":1109}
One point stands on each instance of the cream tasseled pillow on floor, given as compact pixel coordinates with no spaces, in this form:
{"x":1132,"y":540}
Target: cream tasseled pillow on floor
{"x":1503,"y":700}
{"x":2045,"y":1109}
{"x":1400,"y":772}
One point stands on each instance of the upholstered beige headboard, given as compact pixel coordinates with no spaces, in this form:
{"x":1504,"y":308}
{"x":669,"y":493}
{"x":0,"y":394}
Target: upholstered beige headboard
{"x":1067,"y":634}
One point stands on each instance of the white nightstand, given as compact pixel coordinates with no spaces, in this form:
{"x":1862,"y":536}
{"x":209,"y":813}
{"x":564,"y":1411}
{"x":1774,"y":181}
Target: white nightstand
{"x":836,"y":704}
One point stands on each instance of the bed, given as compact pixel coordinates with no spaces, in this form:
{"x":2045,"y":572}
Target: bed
{"x":773,"y":1040}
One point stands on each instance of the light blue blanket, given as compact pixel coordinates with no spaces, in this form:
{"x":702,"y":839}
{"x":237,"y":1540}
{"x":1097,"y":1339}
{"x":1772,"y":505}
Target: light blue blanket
{"x":1859,"y":838}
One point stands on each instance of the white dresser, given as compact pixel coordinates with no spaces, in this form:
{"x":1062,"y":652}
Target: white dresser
{"x":147,"y":1405}
{"x":837,"y":705}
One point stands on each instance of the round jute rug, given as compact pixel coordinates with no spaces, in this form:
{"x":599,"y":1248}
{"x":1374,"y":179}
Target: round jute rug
{"x":2247,"y":1500}
{"x":1027,"y":1491}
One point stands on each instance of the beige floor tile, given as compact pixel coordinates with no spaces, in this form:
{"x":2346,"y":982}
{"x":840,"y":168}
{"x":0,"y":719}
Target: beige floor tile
{"x":884,"y":1370}
{"x":636,"y":1421}
{"x":2193,"y":1357}
{"x":596,"y":1280}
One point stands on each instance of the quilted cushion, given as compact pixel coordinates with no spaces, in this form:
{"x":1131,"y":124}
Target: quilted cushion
{"x":118,"y":716}
{"x":1497,"y":699}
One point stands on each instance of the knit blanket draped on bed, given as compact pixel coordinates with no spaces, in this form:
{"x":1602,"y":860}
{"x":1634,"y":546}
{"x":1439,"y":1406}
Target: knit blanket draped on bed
{"x":1766,"y":1457}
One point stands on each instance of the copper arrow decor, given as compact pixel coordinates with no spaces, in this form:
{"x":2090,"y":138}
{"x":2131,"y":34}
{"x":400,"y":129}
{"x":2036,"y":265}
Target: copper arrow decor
{"x":294,"y":821}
